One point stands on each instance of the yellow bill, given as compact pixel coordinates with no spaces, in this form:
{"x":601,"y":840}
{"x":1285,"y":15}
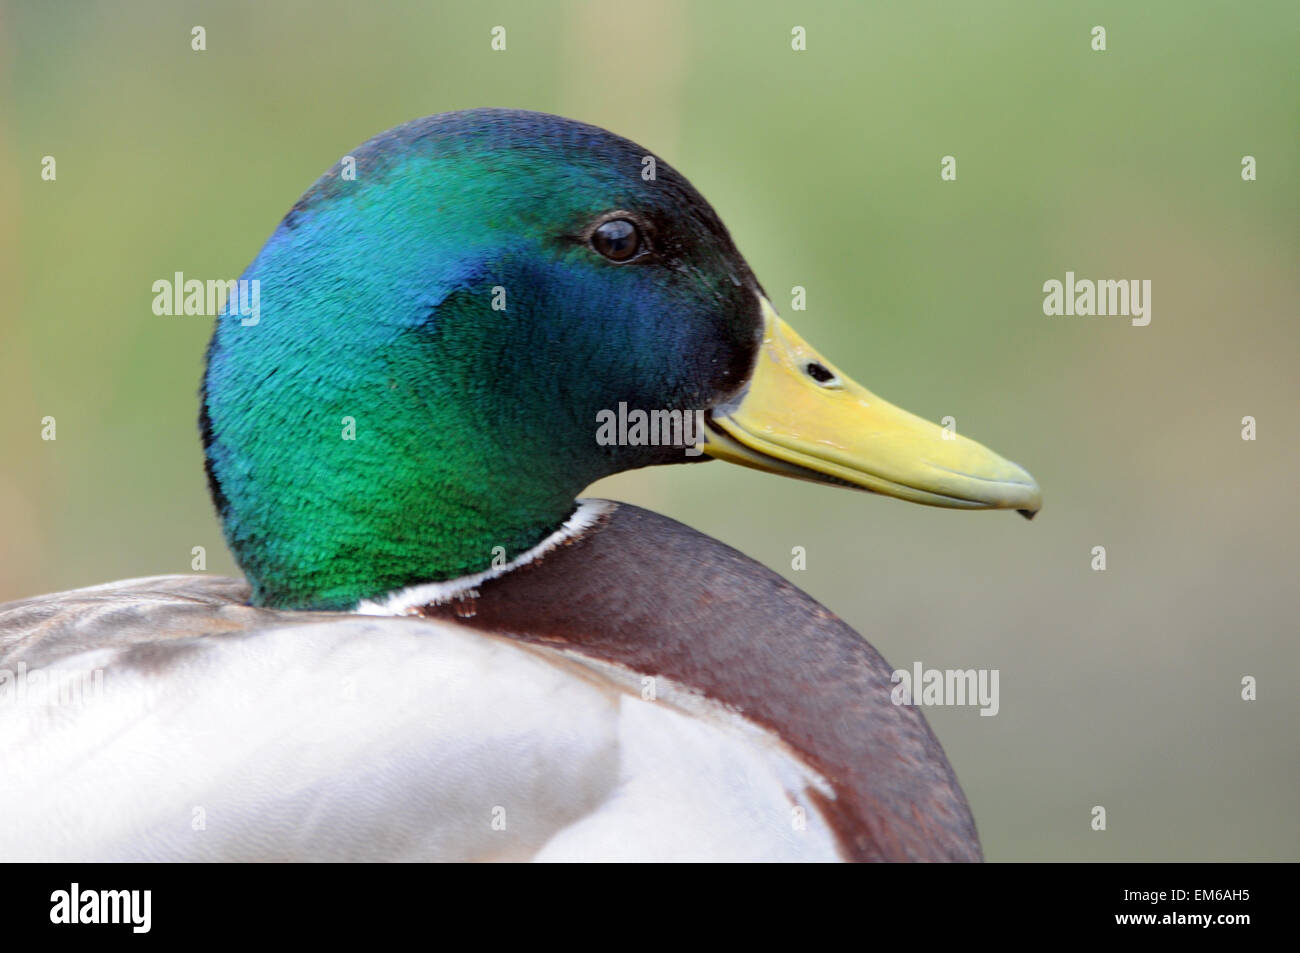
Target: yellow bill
{"x":800,"y":416}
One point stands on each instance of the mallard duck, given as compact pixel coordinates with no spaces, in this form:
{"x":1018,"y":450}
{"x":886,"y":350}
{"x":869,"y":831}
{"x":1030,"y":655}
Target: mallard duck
{"x":440,"y":651}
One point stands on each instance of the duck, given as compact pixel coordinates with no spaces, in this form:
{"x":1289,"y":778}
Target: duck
{"x":440,"y":650}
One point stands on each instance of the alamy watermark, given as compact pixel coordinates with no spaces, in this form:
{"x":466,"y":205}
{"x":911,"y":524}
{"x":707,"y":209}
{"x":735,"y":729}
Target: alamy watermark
{"x":60,"y":687}
{"x":936,"y":687}
{"x":650,"y":428}
{"x":131,"y":908}
{"x":1130,"y":298}
{"x":242,"y":297}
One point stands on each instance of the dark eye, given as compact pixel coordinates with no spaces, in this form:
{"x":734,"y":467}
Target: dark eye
{"x":617,"y":240}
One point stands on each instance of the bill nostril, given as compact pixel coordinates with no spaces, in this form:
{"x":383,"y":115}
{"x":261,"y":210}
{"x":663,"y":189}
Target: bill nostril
{"x":819,"y":372}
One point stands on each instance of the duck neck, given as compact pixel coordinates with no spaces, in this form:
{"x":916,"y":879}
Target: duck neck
{"x":326,"y":501}
{"x":588,"y":514}
{"x":333,"y":548}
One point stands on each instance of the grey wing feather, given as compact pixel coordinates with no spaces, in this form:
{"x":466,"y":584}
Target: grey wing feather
{"x":44,"y":629}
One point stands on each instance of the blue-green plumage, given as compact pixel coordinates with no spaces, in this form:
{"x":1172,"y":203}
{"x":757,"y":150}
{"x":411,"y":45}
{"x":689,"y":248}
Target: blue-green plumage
{"x":448,"y":303}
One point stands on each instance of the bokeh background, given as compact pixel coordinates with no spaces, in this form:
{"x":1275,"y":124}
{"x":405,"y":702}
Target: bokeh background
{"x":1119,"y":688}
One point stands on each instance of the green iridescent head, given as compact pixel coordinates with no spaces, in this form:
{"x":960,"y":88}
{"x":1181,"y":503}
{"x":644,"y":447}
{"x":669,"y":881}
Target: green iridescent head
{"x":436,"y":338}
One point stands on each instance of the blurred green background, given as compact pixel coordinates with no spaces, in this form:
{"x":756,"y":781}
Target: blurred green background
{"x":1119,"y":688}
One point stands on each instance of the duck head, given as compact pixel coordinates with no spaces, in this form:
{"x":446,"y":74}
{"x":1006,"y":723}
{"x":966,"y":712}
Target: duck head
{"x":443,"y":335}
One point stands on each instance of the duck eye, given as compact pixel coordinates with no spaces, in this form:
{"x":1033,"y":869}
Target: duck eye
{"x":818,"y":372}
{"x":617,"y":240}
